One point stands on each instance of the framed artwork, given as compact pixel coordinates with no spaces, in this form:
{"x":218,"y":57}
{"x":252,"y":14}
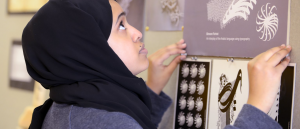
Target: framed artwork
{"x":192,"y":95}
{"x":229,"y":92}
{"x":282,"y":109}
{"x":164,"y":15}
{"x":18,"y":75}
{"x":235,"y":28}
{"x":24,"y":6}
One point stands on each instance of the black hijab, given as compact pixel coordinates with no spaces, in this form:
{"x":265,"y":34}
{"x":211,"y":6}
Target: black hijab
{"x":66,"y":50}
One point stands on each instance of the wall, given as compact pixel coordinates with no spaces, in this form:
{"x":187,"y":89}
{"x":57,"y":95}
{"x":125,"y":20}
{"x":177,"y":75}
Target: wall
{"x":14,"y":101}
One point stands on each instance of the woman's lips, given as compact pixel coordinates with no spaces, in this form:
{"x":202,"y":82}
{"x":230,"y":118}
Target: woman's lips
{"x":143,"y":50}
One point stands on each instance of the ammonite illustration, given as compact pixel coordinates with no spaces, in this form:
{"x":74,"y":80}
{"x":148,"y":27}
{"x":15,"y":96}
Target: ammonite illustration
{"x":183,"y":86}
{"x":185,"y":70}
{"x":192,"y":87}
{"x":124,"y":4}
{"x":200,"y":87}
{"x":202,"y":71}
{"x":198,"y":120}
{"x":267,"y":22}
{"x":182,"y":102}
{"x":191,"y":103}
{"x":225,"y":11}
{"x":172,"y":7}
{"x":181,"y":118}
{"x":199,"y":104}
{"x":193,"y":71}
{"x":189,"y":119}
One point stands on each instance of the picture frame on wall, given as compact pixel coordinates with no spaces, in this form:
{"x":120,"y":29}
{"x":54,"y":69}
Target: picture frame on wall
{"x":18,"y":75}
{"x":24,"y":6}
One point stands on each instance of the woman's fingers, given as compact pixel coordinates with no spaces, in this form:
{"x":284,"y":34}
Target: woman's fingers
{"x":165,"y":55}
{"x":282,"y":65}
{"x":278,"y":56}
{"x":171,"y":67}
{"x":269,"y":53}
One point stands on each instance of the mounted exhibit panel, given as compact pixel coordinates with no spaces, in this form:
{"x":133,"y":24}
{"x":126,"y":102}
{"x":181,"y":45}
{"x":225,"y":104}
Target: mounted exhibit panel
{"x":235,"y":28}
{"x":229,"y":92}
{"x":18,"y":75}
{"x":24,"y":6}
{"x":192,"y":96}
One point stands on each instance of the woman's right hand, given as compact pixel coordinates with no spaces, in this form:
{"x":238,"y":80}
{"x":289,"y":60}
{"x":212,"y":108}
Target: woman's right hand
{"x":265,"y":72}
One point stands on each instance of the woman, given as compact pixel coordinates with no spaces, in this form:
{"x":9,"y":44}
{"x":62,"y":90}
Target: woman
{"x":87,"y":54}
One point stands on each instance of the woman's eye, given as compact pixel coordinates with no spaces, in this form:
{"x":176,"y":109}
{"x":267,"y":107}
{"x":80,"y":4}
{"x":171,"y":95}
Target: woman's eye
{"x":122,"y":27}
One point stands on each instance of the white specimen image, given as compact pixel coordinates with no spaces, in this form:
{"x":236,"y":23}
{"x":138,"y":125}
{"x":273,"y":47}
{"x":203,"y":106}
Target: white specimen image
{"x":193,"y":71}
{"x":225,"y":11}
{"x":202,"y":71}
{"x":199,"y":104}
{"x":189,"y":119}
{"x":200,"y":87}
{"x":181,"y":118}
{"x":185,"y":70}
{"x":191,"y":103}
{"x":192,"y":87}
{"x":267,"y":22}
{"x":172,"y":8}
{"x":182,"y":102}
{"x":198,"y":121}
{"x":183,"y":86}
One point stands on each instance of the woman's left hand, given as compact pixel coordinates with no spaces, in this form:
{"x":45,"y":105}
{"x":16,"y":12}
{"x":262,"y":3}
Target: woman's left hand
{"x":158,"y":73}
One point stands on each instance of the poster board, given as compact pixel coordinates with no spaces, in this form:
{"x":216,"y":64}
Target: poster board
{"x":235,"y":28}
{"x":18,"y":75}
{"x":192,"y":94}
{"x":24,"y":6}
{"x":229,"y":92}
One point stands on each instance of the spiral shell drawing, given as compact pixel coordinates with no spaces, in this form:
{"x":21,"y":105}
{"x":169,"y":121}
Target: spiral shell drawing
{"x":190,"y":103}
{"x":183,"y":86}
{"x":198,"y":120}
{"x":199,"y":104}
{"x":182,"y":102}
{"x":193,"y":71}
{"x":189,"y":119}
{"x":200,"y":87}
{"x":185,"y":70}
{"x":192,"y":87}
{"x":267,"y":22}
{"x":181,"y":118}
{"x":202,"y":71}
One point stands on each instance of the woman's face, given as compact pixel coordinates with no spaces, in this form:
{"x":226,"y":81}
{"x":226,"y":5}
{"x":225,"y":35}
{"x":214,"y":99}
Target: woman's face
{"x":125,"y":41}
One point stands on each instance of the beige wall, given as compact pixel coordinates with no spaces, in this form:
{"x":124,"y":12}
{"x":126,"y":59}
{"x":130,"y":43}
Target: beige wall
{"x":14,"y":101}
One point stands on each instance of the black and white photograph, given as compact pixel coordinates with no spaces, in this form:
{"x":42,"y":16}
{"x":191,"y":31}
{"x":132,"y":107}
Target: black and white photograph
{"x":192,"y":94}
{"x":229,"y":92}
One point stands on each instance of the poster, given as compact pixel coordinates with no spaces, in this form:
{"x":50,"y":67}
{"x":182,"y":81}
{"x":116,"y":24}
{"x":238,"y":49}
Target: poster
{"x":282,"y":109}
{"x":192,"y":94}
{"x":24,"y":6}
{"x":229,"y":92}
{"x":239,"y":28}
{"x":164,"y":15}
{"x":18,"y":75}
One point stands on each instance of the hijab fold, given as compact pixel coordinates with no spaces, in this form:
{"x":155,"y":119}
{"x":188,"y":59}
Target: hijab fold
{"x":66,"y":50}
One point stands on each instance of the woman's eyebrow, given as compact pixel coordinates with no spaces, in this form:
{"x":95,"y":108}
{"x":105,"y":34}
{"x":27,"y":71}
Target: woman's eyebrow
{"x":120,"y":15}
